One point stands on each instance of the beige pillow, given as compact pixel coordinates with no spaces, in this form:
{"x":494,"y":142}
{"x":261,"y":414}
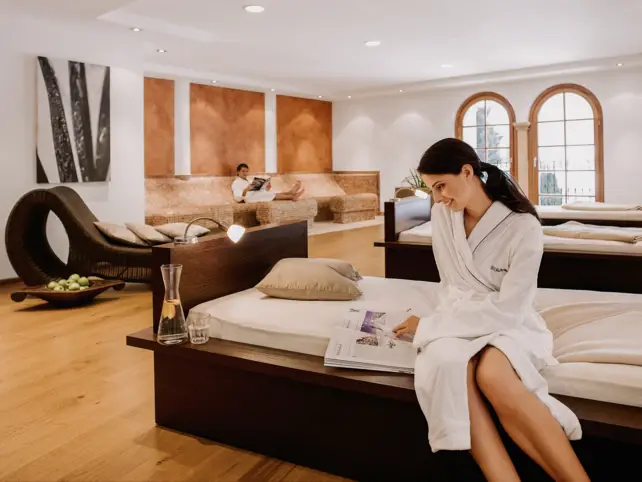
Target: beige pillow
{"x":342,"y":267}
{"x":148,"y":233}
{"x":175,"y":230}
{"x":119,"y":233}
{"x":307,"y":279}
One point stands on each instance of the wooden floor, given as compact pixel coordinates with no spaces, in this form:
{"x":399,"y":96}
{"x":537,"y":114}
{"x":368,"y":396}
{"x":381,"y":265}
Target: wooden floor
{"x":76,"y":403}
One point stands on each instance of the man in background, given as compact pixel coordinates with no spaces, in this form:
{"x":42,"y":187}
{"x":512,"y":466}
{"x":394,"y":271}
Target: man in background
{"x":242,"y":189}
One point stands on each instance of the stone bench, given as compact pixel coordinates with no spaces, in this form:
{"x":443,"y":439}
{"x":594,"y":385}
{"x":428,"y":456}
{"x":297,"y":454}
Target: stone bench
{"x":352,"y":208}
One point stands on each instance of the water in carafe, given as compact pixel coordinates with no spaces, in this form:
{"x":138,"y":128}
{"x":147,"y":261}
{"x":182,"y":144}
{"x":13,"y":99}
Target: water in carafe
{"x":172,"y":328}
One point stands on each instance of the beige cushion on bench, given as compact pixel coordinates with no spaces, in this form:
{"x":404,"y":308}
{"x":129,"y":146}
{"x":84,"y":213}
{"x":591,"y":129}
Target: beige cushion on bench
{"x":280,"y":211}
{"x":352,"y":208}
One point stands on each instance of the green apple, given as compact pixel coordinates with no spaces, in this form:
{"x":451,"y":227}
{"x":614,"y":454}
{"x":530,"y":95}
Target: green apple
{"x":83,"y":281}
{"x":59,"y":288}
{"x":74,"y":277}
{"x":63,"y":283}
{"x":52,"y":285}
{"x":74,"y":287}
{"x":83,"y":287}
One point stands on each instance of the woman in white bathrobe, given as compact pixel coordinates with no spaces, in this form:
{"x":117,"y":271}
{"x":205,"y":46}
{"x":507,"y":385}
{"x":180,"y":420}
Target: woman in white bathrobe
{"x":485,"y":340}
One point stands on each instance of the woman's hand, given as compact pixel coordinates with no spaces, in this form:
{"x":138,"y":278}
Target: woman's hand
{"x":407,"y":327}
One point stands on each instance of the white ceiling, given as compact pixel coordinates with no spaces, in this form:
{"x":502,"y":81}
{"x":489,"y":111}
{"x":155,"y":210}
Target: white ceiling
{"x":316,"y":47}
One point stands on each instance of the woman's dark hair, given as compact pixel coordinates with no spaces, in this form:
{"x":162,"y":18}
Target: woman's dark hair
{"x":448,"y":156}
{"x":241,"y":166}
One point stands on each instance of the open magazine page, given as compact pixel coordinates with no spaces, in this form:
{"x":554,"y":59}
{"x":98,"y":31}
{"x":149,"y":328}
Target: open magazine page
{"x":364,"y":339}
{"x":259,"y":183}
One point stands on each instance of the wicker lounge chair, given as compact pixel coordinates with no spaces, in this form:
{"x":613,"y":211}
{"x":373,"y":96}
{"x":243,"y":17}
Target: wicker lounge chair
{"x":90,"y":253}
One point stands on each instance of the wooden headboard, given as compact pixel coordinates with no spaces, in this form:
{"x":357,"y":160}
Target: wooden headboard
{"x":404,"y":214}
{"x":215,"y":266}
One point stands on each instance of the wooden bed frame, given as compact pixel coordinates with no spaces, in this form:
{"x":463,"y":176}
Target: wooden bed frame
{"x":357,"y":424}
{"x":563,"y":270}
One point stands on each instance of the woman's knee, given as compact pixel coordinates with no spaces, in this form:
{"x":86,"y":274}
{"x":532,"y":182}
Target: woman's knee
{"x":498,"y":381}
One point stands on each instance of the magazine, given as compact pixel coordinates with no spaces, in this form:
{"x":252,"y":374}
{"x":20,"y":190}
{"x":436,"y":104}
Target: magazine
{"x":258,"y":183}
{"x":365,"y":340}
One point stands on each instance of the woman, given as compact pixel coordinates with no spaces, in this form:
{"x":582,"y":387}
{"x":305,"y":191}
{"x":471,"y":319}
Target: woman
{"x":485,"y":339}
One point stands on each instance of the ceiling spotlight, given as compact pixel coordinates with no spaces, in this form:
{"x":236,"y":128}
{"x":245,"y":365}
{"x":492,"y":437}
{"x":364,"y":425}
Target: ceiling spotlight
{"x":272,"y":90}
{"x":320,"y":97}
{"x":253,"y":8}
{"x":446,"y":66}
{"x":136,"y":29}
{"x":619,"y":64}
{"x":372,"y":43}
{"x":214,"y":81}
{"x":161,"y":51}
{"x":400,"y":90}
{"x":349,"y":97}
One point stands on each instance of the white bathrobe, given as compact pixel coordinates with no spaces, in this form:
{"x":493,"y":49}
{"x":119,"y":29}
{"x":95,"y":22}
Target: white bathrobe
{"x":488,"y":286}
{"x":239,"y":185}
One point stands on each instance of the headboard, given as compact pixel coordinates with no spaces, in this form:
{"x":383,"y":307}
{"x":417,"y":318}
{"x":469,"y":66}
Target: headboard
{"x":404,"y":214}
{"x":216,"y":267}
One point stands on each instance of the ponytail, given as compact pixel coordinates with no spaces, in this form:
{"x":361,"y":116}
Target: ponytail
{"x":500,"y":187}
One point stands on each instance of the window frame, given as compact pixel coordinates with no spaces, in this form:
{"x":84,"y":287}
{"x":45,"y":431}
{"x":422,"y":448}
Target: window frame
{"x":598,"y":137}
{"x":473,"y":99}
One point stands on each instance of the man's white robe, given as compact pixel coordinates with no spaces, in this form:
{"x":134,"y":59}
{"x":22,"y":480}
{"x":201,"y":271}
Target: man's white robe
{"x":488,"y":286}
{"x":239,"y":185}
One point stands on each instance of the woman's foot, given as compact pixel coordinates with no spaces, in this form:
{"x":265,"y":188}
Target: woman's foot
{"x":298,"y":195}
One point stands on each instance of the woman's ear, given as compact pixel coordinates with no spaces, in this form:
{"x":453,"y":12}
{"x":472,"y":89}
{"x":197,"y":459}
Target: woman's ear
{"x":467,"y":171}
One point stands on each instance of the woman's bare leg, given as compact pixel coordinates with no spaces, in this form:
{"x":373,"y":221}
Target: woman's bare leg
{"x":486,"y":445}
{"x":286,"y":196}
{"x":526,"y":419}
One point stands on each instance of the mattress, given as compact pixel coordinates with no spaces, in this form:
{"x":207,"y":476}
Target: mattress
{"x":557,"y":212}
{"x":305,"y":327}
{"x":422,"y":234}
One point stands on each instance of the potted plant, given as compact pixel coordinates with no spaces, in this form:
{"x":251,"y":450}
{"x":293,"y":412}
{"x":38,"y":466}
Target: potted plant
{"x":416,"y":182}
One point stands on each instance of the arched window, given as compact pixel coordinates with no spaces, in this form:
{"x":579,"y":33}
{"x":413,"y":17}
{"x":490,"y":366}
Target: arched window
{"x":485,"y":121}
{"x":565,"y":149}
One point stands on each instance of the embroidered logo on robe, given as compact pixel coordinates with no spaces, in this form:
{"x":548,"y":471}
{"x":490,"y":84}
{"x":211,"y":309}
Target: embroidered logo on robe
{"x":498,"y":270}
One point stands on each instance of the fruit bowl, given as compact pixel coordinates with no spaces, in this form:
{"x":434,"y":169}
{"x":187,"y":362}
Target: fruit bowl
{"x":67,"y":297}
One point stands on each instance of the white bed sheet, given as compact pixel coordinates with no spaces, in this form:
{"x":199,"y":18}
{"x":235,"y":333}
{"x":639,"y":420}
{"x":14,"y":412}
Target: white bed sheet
{"x":557,"y":212}
{"x":305,"y":327}
{"x":422,"y":234}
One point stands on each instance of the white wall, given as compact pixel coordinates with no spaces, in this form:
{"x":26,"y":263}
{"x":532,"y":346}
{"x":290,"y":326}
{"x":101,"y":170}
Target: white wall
{"x":22,"y":39}
{"x":391,"y":133}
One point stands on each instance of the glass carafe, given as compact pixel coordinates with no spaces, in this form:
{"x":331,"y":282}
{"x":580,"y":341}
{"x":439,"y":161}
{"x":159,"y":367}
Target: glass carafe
{"x":172,"y":328}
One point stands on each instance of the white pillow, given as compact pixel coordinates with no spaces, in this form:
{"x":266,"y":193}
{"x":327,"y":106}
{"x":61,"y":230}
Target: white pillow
{"x":119,"y":233}
{"x":176,"y":230}
{"x":148,"y":233}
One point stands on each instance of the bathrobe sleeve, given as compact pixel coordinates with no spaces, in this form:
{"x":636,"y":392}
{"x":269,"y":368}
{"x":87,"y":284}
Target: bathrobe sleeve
{"x":238,"y":186}
{"x":496,"y":311}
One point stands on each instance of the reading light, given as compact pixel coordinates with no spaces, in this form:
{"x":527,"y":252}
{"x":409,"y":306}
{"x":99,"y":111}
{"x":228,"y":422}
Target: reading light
{"x":234,"y":232}
{"x":417,"y":192}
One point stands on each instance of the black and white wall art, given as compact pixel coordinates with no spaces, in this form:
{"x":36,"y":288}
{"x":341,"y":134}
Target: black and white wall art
{"x":73,"y":122}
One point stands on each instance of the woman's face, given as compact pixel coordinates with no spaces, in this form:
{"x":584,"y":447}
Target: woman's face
{"x":453,"y":190}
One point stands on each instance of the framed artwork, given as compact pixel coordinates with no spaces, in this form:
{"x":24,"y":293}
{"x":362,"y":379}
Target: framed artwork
{"x":73,"y":122}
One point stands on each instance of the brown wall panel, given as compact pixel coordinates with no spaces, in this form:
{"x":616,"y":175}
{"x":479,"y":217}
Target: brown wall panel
{"x":159,"y":127}
{"x":227,"y":127}
{"x":304,"y":135}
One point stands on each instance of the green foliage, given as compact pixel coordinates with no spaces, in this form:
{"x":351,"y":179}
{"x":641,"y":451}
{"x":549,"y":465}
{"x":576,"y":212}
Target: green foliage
{"x":415,"y":180}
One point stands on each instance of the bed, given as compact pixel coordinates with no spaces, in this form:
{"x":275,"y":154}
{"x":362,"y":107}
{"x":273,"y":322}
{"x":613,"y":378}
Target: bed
{"x":260,"y":383}
{"x":552,"y":215}
{"x":567,"y":263}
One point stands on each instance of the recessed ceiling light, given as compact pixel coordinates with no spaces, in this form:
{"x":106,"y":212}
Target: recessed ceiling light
{"x":400,"y":90}
{"x":161,"y":51}
{"x":253,"y":8}
{"x":372,"y":43}
{"x":446,"y":66}
{"x":320,"y":97}
{"x":136,"y":29}
{"x":272,"y":90}
{"x":349,"y":97}
{"x":214,"y":81}
{"x":619,"y":64}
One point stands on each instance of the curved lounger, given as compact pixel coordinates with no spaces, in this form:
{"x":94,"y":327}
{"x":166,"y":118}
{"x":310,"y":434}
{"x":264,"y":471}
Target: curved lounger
{"x":90,"y":253}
